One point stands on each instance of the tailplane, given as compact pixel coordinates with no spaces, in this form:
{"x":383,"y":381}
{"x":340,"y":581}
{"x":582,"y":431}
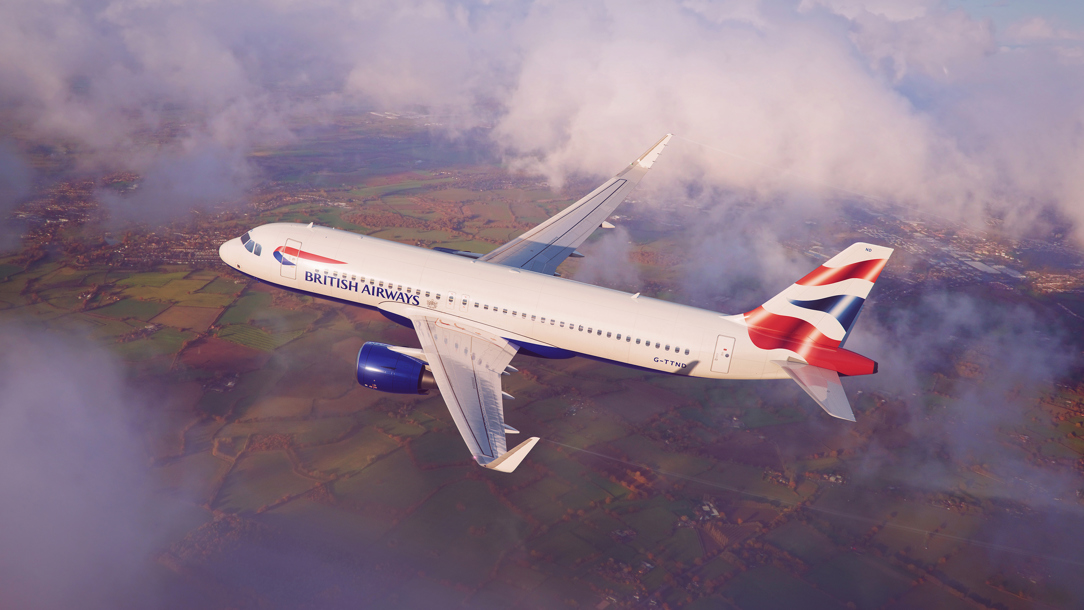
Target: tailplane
{"x":822,"y":385}
{"x":814,"y":317}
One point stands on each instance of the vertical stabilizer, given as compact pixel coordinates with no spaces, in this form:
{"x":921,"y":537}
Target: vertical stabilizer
{"x":814,"y":315}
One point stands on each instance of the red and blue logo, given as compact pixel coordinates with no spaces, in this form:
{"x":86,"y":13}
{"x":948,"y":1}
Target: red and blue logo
{"x":283,"y":252}
{"x":795,"y":319}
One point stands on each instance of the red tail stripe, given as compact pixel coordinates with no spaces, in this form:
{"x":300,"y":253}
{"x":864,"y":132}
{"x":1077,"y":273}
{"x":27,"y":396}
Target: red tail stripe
{"x":771,"y":331}
{"x":866,"y":270}
{"x":308,"y":256}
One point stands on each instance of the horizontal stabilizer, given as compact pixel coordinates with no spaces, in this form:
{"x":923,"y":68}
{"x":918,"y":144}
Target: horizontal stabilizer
{"x":822,"y":385}
{"x":511,"y":459}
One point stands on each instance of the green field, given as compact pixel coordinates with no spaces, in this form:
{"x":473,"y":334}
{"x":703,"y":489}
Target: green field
{"x":131,"y":308}
{"x":221,"y":285}
{"x":151,"y":279}
{"x":245,"y":308}
{"x":248,"y":336}
{"x":347,"y":456}
{"x":7,"y":271}
{"x":259,"y":479}
{"x":770,"y":588}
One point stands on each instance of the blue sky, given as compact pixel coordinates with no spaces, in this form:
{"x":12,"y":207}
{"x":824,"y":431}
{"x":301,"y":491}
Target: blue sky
{"x":1069,"y":13}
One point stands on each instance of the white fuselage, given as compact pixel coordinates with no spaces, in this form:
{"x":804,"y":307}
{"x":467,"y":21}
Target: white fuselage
{"x":542,"y":314}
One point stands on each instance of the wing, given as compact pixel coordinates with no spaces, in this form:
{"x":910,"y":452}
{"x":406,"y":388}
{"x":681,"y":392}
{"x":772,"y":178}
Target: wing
{"x":467,"y":363}
{"x":546,"y":246}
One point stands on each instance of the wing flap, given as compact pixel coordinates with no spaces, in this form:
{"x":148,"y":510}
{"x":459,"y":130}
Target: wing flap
{"x":466,"y":363}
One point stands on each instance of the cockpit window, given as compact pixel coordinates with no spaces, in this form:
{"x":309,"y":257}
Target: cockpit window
{"x":250,"y":245}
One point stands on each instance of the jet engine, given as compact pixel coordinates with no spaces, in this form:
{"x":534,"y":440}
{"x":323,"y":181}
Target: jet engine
{"x":380,"y":368}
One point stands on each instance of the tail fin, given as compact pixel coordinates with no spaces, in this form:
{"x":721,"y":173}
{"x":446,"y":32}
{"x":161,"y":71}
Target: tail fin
{"x":814,"y":316}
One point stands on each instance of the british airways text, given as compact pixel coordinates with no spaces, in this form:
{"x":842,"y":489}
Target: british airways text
{"x":344,"y":284}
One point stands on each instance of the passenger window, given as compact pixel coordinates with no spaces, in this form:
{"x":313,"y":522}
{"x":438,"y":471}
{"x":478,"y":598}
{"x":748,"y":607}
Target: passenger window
{"x":399,"y":287}
{"x":427,"y":294}
{"x":486,"y":308}
{"x":686,"y":351}
{"x":599,"y":332}
{"x":533,"y":319}
{"x":476,"y":304}
{"x":627,"y":339}
{"x":513,"y":312}
{"x":562,"y":324}
{"x":656,"y":345}
{"x":581,"y":328}
{"x":551,"y":321}
{"x":607,"y":334}
{"x":637,"y":342}
{"x":371,"y":281}
{"x":589,"y":331}
{"x":505,"y":310}
{"x":353,"y":278}
{"x":381,"y":284}
{"x":524,"y":316}
{"x":668,"y":347}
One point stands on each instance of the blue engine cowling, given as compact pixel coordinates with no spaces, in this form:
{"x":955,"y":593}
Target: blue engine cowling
{"x":381,"y":369}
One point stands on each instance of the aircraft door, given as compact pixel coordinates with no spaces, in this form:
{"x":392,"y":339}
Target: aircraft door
{"x":724,"y":353}
{"x":463,"y":304}
{"x":450,"y":303}
{"x":288,"y":256}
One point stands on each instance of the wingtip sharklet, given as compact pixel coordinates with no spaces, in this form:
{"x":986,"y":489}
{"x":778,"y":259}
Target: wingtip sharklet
{"x":648,"y":158}
{"x":512,"y":458}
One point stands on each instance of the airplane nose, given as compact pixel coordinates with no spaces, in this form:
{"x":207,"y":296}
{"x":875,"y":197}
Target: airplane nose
{"x":228,"y":251}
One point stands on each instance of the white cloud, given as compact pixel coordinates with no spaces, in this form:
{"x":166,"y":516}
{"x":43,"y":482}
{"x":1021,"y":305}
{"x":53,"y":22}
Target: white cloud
{"x":903,"y":101}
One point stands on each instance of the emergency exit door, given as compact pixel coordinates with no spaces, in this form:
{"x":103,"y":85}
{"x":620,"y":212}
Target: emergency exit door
{"x":724,"y":353}
{"x":288,"y":257}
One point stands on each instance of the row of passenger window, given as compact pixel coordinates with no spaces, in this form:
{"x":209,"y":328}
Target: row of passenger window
{"x":579,"y":328}
{"x":522,"y":315}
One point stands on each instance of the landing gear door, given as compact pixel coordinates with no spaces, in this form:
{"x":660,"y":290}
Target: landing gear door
{"x":288,"y":256}
{"x":724,"y":353}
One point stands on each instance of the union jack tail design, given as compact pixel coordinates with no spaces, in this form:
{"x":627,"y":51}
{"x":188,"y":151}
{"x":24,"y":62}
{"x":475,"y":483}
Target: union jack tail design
{"x":814,"y":316}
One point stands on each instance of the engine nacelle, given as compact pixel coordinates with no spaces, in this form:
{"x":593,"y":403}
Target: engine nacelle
{"x":379,"y":368}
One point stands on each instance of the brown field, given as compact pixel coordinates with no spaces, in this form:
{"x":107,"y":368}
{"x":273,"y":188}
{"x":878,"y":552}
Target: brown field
{"x":219,"y":355}
{"x":198,"y":319}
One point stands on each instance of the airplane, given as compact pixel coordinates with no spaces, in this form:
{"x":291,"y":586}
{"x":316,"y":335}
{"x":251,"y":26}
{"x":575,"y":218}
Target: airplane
{"x":474,"y":312}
